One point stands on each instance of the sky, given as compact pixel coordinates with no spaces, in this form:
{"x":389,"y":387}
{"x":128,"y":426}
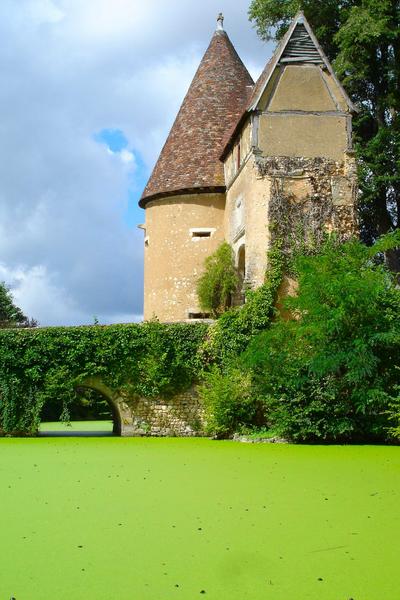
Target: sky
{"x":90,"y":89}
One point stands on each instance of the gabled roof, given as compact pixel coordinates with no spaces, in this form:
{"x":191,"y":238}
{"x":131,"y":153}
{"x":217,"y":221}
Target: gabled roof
{"x":299,"y":45}
{"x":219,"y":93}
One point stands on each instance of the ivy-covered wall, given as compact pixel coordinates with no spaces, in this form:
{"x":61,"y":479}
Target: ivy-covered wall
{"x":134,"y":366}
{"x":310,"y":198}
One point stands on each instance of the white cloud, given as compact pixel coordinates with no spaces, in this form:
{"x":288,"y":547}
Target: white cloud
{"x":36,"y":292}
{"x":44,"y":11}
{"x":125,"y":156}
{"x":71,"y":68}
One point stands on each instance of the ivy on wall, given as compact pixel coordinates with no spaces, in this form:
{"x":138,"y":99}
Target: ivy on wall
{"x":234,"y":330}
{"x":218,"y":281}
{"x":40,"y":365}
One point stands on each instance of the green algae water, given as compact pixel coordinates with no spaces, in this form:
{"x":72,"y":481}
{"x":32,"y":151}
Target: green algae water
{"x":165,"y":519}
{"x":76,"y":427}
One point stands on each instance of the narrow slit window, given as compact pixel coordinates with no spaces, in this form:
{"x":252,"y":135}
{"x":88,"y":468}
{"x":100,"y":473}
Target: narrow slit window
{"x":199,"y":233}
{"x":198,"y":315}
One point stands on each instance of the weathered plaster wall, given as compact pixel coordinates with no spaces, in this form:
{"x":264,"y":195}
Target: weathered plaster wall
{"x":231,"y":163}
{"x":302,"y":88}
{"x":301,"y":174}
{"x":303,"y":113}
{"x":303,"y":135}
{"x":246,"y":220}
{"x":174,"y":258}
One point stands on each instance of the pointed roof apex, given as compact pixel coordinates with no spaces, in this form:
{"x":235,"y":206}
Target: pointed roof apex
{"x":299,"y":44}
{"x":220,"y":22}
{"x":217,"y":96}
{"x":300,"y":17}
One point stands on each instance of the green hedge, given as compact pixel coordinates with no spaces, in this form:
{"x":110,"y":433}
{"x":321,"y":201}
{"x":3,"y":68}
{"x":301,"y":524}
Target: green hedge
{"x":46,"y":365}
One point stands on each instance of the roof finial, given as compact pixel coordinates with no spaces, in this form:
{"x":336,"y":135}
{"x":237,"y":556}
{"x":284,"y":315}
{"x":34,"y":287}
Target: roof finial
{"x":220,"y":22}
{"x":300,"y":16}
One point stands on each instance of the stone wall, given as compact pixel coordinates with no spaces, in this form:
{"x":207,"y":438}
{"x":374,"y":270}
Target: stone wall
{"x":180,"y":415}
{"x":309,"y":198}
{"x":246,"y":220}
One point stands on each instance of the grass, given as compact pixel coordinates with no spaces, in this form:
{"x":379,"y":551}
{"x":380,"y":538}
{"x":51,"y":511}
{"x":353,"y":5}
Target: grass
{"x":165,"y":519}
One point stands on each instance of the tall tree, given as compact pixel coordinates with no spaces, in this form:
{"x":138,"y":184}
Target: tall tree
{"x":10,"y":314}
{"x":362,"y":40}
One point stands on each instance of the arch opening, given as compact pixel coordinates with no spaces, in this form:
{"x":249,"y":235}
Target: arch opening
{"x":239,"y":296}
{"x":242,"y":263}
{"x":106,"y":400}
{"x":93,"y":412}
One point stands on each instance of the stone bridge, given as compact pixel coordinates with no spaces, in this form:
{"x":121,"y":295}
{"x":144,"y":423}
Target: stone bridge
{"x":179,"y":415}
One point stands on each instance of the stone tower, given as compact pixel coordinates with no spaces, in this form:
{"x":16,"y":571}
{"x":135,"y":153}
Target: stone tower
{"x":242,"y":157}
{"x":185,"y":196}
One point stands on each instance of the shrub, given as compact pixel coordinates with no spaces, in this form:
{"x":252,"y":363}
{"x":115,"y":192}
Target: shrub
{"x":330,"y":372}
{"x":228,"y":401}
{"x":218,"y":282}
{"x":394,"y":415}
{"x":233,"y":331}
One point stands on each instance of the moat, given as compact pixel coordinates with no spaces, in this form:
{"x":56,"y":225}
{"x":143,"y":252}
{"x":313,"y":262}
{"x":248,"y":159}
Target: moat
{"x":179,"y":518}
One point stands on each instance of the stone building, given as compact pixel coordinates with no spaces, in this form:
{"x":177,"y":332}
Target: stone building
{"x":241,"y":157}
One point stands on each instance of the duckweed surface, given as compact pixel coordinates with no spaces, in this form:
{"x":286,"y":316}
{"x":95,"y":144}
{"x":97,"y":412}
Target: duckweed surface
{"x":76,"y":426}
{"x":166,"y":519}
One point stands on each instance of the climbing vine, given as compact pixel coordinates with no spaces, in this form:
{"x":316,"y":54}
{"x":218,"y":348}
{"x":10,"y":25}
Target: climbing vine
{"x":42,"y":365}
{"x":233,"y":331}
{"x":218,"y":281}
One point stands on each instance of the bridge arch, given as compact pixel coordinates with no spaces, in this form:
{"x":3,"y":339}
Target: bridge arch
{"x":122,"y":416}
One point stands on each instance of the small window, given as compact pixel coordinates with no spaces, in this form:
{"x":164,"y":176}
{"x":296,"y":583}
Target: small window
{"x":201,"y":234}
{"x":146,"y":242}
{"x":198,"y":315}
{"x":198,"y":233}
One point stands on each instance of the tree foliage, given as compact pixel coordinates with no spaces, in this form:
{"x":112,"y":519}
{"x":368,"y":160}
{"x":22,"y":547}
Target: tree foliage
{"x":331,"y":371}
{"x":10,"y":314}
{"x":218,"y":281}
{"x":362,"y":39}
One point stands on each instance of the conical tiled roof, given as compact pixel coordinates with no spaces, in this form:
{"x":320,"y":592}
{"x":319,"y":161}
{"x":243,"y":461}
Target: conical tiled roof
{"x":218,"y":94}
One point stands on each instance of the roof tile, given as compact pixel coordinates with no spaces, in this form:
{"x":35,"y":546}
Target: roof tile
{"x":216,"y":99}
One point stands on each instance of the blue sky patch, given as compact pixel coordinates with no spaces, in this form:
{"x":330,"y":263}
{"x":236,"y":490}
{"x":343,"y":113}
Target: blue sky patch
{"x":114,"y":139}
{"x":134,"y":214}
